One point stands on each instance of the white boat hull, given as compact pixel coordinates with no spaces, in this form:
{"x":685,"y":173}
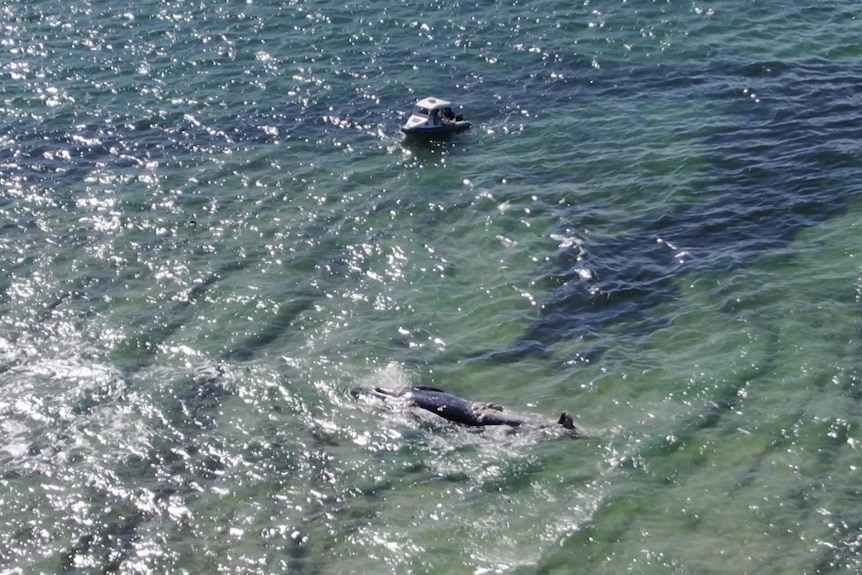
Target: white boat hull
{"x":439,"y":130}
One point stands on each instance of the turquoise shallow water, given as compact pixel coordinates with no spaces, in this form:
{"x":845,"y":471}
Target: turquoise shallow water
{"x":212,"y":231}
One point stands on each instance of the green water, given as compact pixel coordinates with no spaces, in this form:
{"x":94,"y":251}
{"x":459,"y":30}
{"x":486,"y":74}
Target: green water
{"x":213,"y":232}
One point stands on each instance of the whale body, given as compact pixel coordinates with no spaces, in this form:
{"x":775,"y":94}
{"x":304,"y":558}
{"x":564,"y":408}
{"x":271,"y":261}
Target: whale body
{"x":460,"y":410}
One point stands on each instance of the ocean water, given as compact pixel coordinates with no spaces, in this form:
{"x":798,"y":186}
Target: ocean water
{"x":213,"y":231}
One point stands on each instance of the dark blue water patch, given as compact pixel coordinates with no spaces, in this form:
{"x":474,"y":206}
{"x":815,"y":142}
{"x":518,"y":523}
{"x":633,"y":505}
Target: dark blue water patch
{"x":59,"y":157}
{"x":62,"y":149}
{"x":773,"y":169}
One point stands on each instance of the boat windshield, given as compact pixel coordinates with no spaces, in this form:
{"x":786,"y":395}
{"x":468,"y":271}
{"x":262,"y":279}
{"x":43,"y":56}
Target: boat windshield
{"x":420,"y":111}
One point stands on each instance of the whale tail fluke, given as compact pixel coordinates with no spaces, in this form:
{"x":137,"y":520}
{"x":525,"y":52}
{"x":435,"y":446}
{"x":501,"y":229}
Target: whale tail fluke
{"x":566,"y":421}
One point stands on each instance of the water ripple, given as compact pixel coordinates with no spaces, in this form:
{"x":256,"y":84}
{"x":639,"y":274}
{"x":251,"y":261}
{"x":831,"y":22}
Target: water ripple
{"x":212,"y":231}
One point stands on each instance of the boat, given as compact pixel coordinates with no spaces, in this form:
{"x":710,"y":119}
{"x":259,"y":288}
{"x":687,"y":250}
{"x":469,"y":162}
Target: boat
{"x":434,"y":117}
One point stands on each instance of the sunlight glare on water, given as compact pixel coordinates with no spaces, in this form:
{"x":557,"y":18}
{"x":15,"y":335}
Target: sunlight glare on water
{"x":215,"y":238}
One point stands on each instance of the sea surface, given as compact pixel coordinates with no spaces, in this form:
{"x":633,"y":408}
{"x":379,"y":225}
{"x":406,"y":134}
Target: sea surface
{"x":212,"y":233}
